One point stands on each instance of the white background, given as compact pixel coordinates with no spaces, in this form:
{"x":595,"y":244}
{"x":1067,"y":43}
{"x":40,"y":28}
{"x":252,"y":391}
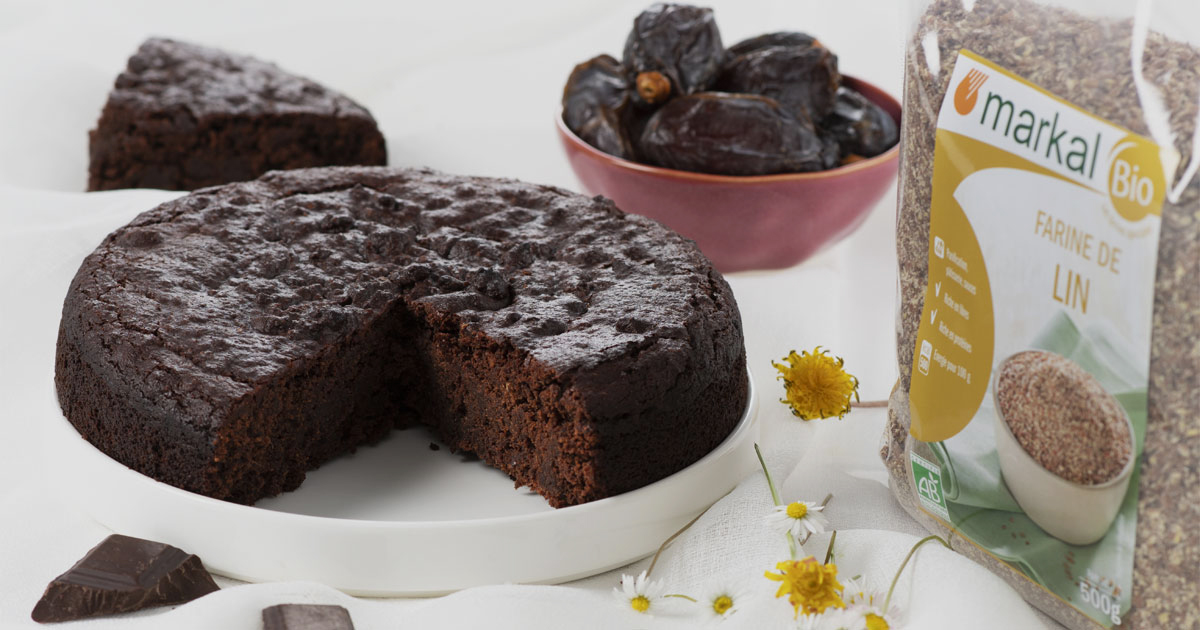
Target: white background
{"x":470,"y":88}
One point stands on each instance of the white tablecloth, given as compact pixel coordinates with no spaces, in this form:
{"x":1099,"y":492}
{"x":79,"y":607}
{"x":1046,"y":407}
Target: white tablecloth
{"x":470,"y":88}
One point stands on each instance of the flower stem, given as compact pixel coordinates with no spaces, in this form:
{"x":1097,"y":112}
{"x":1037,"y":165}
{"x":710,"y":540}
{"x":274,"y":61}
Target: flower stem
{"x":681,"y":596}
{"x":896,"y":579}
{"x":829,"y":550}
{"x":775,"y":497}
{"x":770,"y":482}
{"x":671,"y":539}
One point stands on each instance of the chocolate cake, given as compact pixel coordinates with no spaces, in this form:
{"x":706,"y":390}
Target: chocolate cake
{"x":183,"y":116}
{"x":230,"y":340}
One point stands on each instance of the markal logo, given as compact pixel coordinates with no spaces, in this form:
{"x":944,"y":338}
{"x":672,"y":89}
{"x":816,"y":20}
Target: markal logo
{"x":1045,"y":136}
{"x":967,"y":93}
{"x":1040,"y":128}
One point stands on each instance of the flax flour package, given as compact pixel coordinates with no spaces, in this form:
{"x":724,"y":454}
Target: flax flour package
{"x":1047,"y":417}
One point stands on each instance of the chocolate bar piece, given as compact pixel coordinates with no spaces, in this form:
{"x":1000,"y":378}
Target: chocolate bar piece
{"x":124,"y":574}
{"x":306,"y":617}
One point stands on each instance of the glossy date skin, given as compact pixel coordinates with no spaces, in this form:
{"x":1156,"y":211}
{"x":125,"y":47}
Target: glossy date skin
{"x":861,"y":127}
{"x":596,"y":101}
{"x":768,"y":40}
{"x":803,"y":78}
{"x":673,"y":50}
{"x":731,"y":134}
{"x":773,"y":103}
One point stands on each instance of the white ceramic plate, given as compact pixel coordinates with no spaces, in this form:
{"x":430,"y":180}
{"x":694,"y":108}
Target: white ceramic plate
{"x":399,"y":518}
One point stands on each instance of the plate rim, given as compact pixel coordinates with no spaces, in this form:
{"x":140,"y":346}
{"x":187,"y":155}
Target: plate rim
{"x":399,"y":558}
{"x":746,"y":422}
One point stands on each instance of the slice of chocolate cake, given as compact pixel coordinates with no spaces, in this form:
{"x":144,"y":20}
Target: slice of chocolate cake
{"x":183,"y":116}
{"x":232,"y":339}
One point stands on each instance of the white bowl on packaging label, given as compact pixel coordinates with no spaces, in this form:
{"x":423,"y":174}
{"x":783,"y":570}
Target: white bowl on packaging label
{"x":1075,"y":513}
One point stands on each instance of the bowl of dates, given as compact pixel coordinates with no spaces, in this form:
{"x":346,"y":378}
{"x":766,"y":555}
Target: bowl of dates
{"x":762,"y":152}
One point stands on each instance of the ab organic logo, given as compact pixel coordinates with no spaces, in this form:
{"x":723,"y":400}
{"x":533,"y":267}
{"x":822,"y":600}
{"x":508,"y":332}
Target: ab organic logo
{"x":928,"y":478}
{"x":928,"y":487}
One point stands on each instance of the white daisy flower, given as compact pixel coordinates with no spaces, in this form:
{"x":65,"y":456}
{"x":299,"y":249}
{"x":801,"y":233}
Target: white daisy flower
{"x":640,"y":593}
{"x":864,"y":607}
{"x":797,"y":518}
{"x":861,"y":616}
{"x":722,"y":599}
{"x":831,"y":619}
{"x":855,"y":591}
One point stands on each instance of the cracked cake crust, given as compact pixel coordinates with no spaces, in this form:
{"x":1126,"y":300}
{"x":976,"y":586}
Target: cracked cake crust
{"x":183,"y":116}
{"x":232,"y":339}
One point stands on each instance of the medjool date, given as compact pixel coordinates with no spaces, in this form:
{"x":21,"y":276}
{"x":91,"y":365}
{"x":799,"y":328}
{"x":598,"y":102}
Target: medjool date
{"x":673,"y":50}
{"x":731,"y":134}
{"x":767,"y":40}
{"x":862,"y":128}
{"x":804,"y":79}
{"x":595,"y":100}
{"x":679,"y":99}
{"x":831,"y":149}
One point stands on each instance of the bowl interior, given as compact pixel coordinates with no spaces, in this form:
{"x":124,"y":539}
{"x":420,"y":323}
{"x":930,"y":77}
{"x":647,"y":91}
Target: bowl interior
{"x":868,"y":90}
{"x":1126,"y":470}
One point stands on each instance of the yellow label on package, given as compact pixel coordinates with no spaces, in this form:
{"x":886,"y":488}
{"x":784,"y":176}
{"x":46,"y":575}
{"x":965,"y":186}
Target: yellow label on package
{"x":1032,"y":358}
{"x":1038,"y":207}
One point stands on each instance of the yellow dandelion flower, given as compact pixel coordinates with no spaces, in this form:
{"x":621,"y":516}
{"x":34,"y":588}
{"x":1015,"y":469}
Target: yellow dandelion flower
{"x":811,"y":587}
{"x":817,"y":386}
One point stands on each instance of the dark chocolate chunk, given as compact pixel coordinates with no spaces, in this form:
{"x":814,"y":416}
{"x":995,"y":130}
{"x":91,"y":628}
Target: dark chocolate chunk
{"x":123,"y":574}
{"x":306,"y":617}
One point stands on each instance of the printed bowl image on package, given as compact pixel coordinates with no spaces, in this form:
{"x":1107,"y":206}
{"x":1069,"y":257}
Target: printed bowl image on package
{"x":1065,"y":445}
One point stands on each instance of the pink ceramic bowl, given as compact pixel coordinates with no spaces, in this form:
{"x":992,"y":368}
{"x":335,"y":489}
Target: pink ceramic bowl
{"x":741,"y":223}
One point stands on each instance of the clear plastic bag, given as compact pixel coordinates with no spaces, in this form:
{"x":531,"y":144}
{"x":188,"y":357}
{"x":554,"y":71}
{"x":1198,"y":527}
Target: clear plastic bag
{"x":1137,"y":66}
